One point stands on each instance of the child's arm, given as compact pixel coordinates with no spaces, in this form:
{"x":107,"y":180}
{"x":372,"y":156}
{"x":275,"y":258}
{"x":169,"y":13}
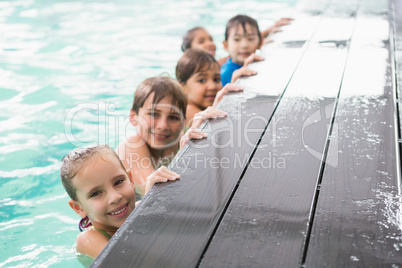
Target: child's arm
{"x":275,"y":28}
{"x":136,"y":156}
{"x":162,"y":174}
{"x":223,"y":60}
{"x":194,"y":132}
{"x":192,"y":110}
{"x":224,"y":90}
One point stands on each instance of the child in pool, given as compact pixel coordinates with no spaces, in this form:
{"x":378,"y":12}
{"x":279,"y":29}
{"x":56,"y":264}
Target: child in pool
{"x":158,"y":113}
{"x":242,"y":39}
{"x":198,"y":72}
{"x":198,"y":37}
{"x":102,"y":193}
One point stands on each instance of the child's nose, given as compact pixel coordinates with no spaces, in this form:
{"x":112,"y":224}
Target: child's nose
{"x":162,"y":123}
{"x":244,"y":42}
{"x":212,"y":85}
{"x":115,"y":197}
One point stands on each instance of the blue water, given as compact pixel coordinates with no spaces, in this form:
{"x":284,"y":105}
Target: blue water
{"x":68,"y":70}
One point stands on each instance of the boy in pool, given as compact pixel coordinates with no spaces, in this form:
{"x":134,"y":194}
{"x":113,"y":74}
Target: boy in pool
{"x":158,"y":113}
{"x":198,"y":73}
{"x":242,"y":39}
{"x":102,"y":193}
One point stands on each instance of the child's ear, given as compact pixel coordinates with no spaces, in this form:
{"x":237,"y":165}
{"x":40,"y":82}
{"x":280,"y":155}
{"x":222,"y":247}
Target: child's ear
{"x":130,"y":176}
{"x":133,"y":119}
{"x":77,"y":208}
{"x":225,"y":45}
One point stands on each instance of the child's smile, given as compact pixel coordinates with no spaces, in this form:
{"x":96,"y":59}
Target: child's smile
{"x":119,"y":212}
{"x":160,"y":137}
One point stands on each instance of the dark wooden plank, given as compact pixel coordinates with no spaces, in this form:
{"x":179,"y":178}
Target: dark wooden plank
{"x":266,"y":222}
{"x":357,"y":221}
{"x":174,"y":222}
{"x":397,"y":31}
{"x":170,"y":228}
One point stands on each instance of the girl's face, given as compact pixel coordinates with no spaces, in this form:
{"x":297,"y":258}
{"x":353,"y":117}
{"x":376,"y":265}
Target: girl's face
{"x":158,"y":124}
{"x":201,"y":87}
{"x":105,"y":192}
{"x":203,"y":40}
{"x":241,"y":44}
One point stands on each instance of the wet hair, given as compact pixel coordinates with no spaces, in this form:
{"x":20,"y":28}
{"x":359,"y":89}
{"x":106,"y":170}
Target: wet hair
{"x":189,"y":37}
{"x":162,"y":86}
{"x":193,"y":61}
{"x":241,"y":20}
{"x":76,"y":160}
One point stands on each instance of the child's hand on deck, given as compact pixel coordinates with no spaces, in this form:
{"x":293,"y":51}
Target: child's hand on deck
{"x":283,"y":22}
{"x":243,"y":71}
{"x":224,"y":90}
{"x":162,"y":174}
{"x":252,"y":58}
{"x":194,"y":132}
{"x":209,"y":113}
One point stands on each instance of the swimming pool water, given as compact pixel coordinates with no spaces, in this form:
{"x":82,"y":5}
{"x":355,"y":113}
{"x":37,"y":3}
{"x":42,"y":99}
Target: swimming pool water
{"x":68,"y":70}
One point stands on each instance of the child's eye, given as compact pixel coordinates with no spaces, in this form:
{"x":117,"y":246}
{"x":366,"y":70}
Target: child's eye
{"x":154,"y":114}
{"x":174,"y":117}
{"x":237,"y":39}
{"x":217,"y":80}
{"x":119,"y":181}
{"x":202,"y":80}
{"x":94,"y":194}
{"x":251,"y":39}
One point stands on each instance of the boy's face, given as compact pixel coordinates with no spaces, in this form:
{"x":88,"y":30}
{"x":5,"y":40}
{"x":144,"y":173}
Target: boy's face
{"x":105,"y":192}
{"x":201,"y":87}
{"x":242,"y":44}
{"x":159,"y":124}
{"x":203,"y":40}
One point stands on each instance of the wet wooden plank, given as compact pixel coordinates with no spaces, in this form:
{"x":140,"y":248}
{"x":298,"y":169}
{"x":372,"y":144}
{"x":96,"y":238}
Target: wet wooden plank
{"x":172,"y":225}
{"x":174,"y":222}
{"x":357,"y":221}
{"x":266,"y":222}
{"x":397,"y":27}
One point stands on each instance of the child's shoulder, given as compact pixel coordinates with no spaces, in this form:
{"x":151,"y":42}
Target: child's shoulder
{"x":132,"y":148}
{"x":223,"y":60}
{"x":192,"y":110}
{"x":130,"y":144}
{"x":91,"y":242}
{"x":133,"y":139}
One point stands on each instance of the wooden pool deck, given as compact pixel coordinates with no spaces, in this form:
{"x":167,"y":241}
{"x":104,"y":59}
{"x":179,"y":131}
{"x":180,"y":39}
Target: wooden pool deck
{"x":305,"y":171}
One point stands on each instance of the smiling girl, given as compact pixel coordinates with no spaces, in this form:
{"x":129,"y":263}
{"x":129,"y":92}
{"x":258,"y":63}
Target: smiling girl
{"x":198,"y":73}
{"x":102,"y":193}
